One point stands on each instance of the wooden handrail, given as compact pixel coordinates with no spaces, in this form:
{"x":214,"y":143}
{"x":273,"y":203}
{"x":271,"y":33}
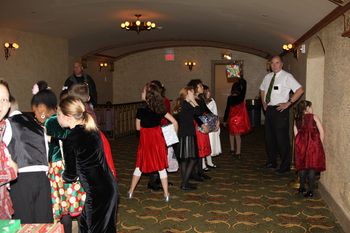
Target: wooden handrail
{"x":117,"y":120}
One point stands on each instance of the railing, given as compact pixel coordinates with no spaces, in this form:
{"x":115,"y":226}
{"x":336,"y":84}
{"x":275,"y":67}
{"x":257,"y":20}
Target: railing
{"x":117,"y":120}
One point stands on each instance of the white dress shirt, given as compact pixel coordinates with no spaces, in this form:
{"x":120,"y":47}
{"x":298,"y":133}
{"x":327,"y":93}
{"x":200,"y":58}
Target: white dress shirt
{"x":284,"y":83}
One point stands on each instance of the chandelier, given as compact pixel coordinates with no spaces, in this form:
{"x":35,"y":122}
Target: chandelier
{"x":138,"y":25}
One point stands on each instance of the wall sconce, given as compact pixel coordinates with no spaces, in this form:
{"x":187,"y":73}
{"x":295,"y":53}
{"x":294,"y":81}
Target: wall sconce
{"x":7,"y":48}
{"x":190,"y":64}
{"x":227,"y":56}
{"x":287,"y":47}
{"x":103,"y":65}
{"x":106,"y":66}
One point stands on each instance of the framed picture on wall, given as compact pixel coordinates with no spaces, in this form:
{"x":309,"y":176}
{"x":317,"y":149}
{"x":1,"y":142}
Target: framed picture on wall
{"x":234,"y":70}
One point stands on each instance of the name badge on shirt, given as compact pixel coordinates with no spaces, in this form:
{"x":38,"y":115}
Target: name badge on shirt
{"x":277,"y":89}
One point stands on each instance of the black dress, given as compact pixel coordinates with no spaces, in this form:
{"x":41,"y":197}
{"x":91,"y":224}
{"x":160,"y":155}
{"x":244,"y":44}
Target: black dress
{"x":84,"y":158}
{"x":187,"y":146}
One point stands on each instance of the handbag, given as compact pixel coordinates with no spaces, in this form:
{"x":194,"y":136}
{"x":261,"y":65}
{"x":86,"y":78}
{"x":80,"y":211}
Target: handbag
{"x":173,"y":165}
{"x":169,"y":134}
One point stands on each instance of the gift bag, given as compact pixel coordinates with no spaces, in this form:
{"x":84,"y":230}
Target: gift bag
{"x":209,"y":120}
{"x":172,"y":161}
{"x":170,"y":135}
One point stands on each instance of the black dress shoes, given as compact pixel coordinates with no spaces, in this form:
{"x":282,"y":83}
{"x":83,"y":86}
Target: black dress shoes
{"x":206,"y":177}
{"x":188,"y":186}
{"x":154,"y":187}
{"x":282,"y":171}
{"x":197,"y":178}
{"x":269,"y":165}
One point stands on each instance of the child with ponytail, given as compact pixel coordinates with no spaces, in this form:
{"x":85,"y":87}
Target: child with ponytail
{"x":84,"y":158}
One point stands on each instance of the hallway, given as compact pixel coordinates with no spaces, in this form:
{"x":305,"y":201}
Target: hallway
{"x":240,"y":197}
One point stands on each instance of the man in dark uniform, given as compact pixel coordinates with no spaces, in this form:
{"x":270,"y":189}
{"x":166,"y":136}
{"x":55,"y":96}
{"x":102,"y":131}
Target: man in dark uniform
{"x":79,"y":76}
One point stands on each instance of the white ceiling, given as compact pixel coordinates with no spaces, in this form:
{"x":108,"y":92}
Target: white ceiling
{"x":93,"y":26}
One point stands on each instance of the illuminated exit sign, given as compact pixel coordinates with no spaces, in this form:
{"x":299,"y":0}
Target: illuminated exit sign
{"x":169,"y":55}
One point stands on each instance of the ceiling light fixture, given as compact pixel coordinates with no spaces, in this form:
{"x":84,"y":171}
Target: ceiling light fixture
{"x":138,"y":25}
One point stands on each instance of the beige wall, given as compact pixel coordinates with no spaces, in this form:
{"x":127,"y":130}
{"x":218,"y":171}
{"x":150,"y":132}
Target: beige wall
{"x":315,"y":78}
{"x":38,"y":58}
{"x":103,"y":80}
{"x":336,"y":111}
{"x":133,"y":71}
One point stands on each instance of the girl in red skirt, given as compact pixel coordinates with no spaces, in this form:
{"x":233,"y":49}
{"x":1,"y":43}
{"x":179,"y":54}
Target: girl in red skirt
{"x":203,"y":140}
{"x":309,"y":152}
{"x":151,"y":153}
{"x":236,"y":115}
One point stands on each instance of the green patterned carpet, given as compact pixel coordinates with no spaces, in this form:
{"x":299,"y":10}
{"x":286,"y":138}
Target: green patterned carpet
{"x":239,"y":198}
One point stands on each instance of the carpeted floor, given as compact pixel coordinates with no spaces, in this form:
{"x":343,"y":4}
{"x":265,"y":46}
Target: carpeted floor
{"x":240,"y":197}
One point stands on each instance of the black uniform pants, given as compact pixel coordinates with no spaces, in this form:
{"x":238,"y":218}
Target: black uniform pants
{"x":277,"y":137}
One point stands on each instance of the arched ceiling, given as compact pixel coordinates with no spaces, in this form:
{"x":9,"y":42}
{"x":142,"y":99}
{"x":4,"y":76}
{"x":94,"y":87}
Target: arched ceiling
{"x":92,"y":27}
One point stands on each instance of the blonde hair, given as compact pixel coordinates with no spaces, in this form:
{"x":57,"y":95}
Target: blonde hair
{"x":74,"y":107}
{"x":182,"y":96}
{"x":81,"y":91}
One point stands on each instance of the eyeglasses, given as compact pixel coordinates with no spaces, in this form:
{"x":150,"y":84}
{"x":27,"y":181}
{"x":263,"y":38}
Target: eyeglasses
{"x":4,"y":101}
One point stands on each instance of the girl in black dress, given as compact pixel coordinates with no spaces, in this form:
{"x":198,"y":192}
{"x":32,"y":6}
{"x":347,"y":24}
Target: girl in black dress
{"x":186,"y":110}
{"x":84,"y":158}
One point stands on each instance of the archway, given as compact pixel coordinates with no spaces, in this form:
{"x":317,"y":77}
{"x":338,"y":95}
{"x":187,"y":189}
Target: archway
{"x":315,"y":75}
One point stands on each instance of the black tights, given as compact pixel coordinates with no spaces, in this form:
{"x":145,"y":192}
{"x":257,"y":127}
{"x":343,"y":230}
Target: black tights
{"x":186,"y":169}
{"x":311,"y":175}
{"x":66,"y":221}
{"x":198,"y":169}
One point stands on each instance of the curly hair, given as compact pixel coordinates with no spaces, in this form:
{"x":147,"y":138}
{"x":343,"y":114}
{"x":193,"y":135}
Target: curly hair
{"x":160,"y":86}
{"x":154,"y":99}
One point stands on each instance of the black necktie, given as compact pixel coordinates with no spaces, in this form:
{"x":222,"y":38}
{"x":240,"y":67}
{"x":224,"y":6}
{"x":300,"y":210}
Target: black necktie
{"x":268,"y":95}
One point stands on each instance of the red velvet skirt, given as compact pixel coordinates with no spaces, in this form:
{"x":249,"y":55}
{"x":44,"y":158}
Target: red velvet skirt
{"x":203,"y":143}
{"x":152,"y":150}
{"x":309,"y":152}
{"x":239,"y":120}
